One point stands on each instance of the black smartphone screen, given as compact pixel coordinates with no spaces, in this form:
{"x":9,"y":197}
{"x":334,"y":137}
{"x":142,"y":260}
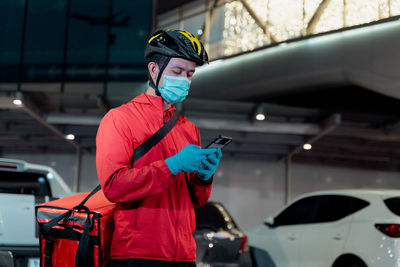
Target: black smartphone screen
{"x":220,"y":142}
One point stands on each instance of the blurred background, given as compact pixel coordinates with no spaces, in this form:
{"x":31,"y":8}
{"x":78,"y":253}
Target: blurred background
{"x":308,"y":89}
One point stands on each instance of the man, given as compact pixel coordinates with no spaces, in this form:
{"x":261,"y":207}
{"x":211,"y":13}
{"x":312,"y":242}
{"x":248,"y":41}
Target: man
{"x":154,"y":216}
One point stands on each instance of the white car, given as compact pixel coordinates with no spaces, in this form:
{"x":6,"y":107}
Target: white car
{"x":341,"y":228}
{"x":22,"y":186}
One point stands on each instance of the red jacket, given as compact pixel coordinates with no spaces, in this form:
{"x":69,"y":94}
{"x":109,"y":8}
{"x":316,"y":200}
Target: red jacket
{"x":154,"y":216}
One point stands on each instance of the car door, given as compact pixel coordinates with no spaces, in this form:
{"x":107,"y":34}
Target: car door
{"x":19,"y":193}
{"x":287,"y":230}
{"x":324,"y":239}
{"x":17,"y":220}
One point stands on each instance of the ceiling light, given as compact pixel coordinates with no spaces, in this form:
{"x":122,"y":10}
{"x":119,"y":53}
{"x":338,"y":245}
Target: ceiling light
{"x":260,"y":117}
{"x":17,"y":102}
{"x":307,"y":146}
{"x":70,"y":137}
{"x":259,"y":112}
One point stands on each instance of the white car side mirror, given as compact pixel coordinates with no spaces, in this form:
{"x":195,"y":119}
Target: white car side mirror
{"x":269,"y":221}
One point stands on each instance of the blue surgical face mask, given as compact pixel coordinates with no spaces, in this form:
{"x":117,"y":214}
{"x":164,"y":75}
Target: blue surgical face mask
{"x":174,"y":88}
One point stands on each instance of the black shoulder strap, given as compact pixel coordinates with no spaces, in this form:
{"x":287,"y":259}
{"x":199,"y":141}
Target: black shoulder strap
{"x":154,"y":139}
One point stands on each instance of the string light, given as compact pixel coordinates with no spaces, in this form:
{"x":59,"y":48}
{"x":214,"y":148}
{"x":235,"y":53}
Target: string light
{"x":288,"y":19}
{"x":394,"y":7}
{"x":241,"y":33}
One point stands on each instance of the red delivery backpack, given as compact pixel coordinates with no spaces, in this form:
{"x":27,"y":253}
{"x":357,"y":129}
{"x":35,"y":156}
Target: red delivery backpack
{"x":76,"y":235}
{"x":77,"y":230}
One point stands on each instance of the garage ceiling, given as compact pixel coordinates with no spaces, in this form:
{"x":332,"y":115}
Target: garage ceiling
{"x":348,"y":126}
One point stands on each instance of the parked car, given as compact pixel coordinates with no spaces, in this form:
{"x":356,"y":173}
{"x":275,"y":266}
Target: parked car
{"x":341,"y":228}
{"x":219,"y":240}
{"x":22,"y":186}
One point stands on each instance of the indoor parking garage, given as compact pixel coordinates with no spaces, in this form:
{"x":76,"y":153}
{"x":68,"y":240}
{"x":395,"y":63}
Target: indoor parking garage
{"x":209,"y":133}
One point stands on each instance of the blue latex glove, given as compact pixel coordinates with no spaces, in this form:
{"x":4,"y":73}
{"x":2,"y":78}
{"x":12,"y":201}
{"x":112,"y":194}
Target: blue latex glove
{"x":188,"y":159}
{"x":210,"y":165}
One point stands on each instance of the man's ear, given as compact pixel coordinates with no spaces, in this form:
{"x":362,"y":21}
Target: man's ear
{"x":153,"y":70}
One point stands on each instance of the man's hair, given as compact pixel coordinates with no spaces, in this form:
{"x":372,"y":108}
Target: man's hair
{"x":158,"y":59}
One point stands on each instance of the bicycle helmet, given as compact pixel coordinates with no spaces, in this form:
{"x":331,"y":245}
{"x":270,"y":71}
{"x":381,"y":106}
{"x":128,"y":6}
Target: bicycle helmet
{"x":174,"y":43}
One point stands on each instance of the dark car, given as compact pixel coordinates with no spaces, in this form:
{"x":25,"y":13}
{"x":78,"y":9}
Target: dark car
{"x":219,"y":240}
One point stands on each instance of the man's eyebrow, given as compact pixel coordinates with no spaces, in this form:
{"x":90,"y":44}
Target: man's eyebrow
{"x":180,"y":68}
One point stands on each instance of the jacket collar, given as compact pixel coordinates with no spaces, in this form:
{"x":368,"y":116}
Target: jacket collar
{"x":156,"y":101}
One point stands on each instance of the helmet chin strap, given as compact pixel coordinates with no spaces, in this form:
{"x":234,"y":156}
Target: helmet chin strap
{"x":155,"y":87}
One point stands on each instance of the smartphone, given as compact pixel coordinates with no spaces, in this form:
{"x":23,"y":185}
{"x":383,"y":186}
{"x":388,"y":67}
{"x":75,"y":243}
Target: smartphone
{"x":220,"y":142}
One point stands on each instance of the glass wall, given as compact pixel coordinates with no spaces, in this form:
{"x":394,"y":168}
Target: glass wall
{"x":11,"y":21}
{"x":73,"y":40}
{"x":44,"y":41}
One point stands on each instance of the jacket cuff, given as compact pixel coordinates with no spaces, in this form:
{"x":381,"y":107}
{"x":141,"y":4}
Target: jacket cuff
{"x":204,"y":182}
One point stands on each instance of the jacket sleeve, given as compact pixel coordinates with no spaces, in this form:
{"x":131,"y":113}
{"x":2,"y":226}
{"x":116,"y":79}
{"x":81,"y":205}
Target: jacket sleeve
{"x":120,"y":182}
{"x":200,"y":190}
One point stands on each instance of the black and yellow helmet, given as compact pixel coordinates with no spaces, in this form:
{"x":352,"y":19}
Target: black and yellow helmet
{"x":175,"y":43}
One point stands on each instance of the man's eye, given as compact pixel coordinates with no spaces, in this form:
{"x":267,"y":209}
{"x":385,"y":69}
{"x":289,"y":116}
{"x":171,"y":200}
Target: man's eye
{"x":177,"y":72}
